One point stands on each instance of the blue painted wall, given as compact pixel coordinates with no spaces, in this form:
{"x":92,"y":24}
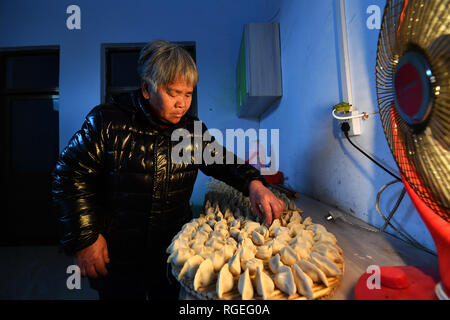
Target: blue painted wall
{"x":312,"y":153}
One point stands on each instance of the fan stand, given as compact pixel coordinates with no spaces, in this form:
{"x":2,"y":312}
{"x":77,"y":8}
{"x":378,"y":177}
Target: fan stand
{"x":440,"y":231}
{"x":408,"y":282}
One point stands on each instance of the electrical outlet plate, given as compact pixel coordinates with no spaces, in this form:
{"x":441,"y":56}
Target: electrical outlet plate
{"x":355,"y":124}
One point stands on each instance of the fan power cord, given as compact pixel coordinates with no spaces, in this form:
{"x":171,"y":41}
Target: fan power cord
{"x":345,"y":127}
{"x":387,"y":220}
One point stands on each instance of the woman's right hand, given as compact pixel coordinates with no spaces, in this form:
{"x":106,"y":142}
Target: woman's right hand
{"x":92,"y":260}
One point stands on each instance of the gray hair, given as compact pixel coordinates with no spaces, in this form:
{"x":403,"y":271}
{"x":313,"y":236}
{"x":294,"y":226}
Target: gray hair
{"x":162,"y":62}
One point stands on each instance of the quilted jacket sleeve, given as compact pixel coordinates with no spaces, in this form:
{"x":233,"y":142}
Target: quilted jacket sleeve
{"x":229,"y":170}
{"x":74,"y":185}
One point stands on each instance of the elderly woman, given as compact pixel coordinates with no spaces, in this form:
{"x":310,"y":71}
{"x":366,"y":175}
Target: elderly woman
{"x":119,"y":196}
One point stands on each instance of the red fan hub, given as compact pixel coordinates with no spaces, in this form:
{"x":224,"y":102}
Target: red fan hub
{"x":412,"y":83}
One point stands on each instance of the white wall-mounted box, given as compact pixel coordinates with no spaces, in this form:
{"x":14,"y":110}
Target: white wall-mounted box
{"x":258,"y":72}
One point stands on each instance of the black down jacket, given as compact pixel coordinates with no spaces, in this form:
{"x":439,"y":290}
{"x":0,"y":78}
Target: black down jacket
{"x":116,"y":177}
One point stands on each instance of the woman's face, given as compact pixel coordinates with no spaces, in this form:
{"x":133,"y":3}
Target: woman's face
{"x":170,"y":102}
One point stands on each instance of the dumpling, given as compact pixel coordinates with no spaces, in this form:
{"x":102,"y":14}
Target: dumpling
{"x":225,"y":281}
{"x":328,"y":251}
{"x":177,"y":244}
{"x":276,"y":245}
{"x":284,"y":237}
{"x":313,"y":271}
{"x":234,"y":232}
{"x":264,"y":283}
{"x":330,"y":244}
{"x":325,"y":236}
{"x":247,"y":242}
{"x":288,"y":256}
{"x":200,"y":235}
{"x":257,"y":238}
{"x":284,"y":280}
{"x":275,"y":263}
{"x":221,"y":225}
{"x":306,"y":235}
{"x":275,"y":232}
{"x":181,"y":236}
{"x":264,"y":252}
{"x":284,"y":220}
{"x":250,"y":225}
{"x":245,"y":286}
{"x":215,"y":243}
{"x":231,"y":242}
{"x":228,"y":214}
{"x":295,"y":217}
{"x":211,"y":222}
{"x":205,"y":274}
{"x":299,"y":240}
{"x":316,"y":228}
{"x":210,"y":213}
{"x":275,"y":223}
{"x":251,"y":265}
{"x":197,"y":244}
{"x":234,"y":263}
{"x":301,"y":249}
{"x":190,"y":267}
{"x":205,"y":251}
{"x":218,"y":259}
{"x":201,"y":220}
{"x":180,"y":256}
{"x":205,"y":227}
{"x":307,"y":221}
{"x":219,"y":216}
{"x":295,"y":229}
{"x":235,"y":224}
{"x":263,"y":231}
{"x":303,"y":282}
{"x":189,"y":227}
{"x":242,"y":235}
{"x":324,"y":264}
{"x":247,"y":253}
{"x":228,"y":251}
{"x":219,"y":234}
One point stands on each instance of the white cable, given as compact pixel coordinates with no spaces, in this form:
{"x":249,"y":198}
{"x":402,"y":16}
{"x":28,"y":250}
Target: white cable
{"x":348,"y":117}
{"x":363,"y":115}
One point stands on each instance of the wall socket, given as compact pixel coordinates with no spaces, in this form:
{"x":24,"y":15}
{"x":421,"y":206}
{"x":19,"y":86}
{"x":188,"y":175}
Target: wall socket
{"x":355,"y":124}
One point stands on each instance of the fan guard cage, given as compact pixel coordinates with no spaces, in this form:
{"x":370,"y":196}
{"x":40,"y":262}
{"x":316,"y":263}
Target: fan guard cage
{"x":414,"y":53}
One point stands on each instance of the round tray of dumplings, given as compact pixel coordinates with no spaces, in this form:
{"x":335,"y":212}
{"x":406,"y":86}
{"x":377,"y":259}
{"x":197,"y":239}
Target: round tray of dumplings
{"x":233,"y":257}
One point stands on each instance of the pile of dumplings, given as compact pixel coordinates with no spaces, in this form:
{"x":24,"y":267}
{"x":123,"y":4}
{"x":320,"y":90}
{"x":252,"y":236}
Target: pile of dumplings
{"x":247,"y":259}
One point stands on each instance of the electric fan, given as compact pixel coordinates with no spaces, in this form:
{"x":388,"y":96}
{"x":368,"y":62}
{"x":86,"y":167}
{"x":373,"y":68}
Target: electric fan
{"x":412,"y":76}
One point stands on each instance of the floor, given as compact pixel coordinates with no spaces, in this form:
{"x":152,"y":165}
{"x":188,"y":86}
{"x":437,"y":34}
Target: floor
{"x":363,"y":248}
{"x":38,"y":273}
{"x":41,"y":272}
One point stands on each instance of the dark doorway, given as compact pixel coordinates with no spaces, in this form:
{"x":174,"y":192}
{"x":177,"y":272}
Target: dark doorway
{"x":119,"y":69}
{"x":29,"y":119}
